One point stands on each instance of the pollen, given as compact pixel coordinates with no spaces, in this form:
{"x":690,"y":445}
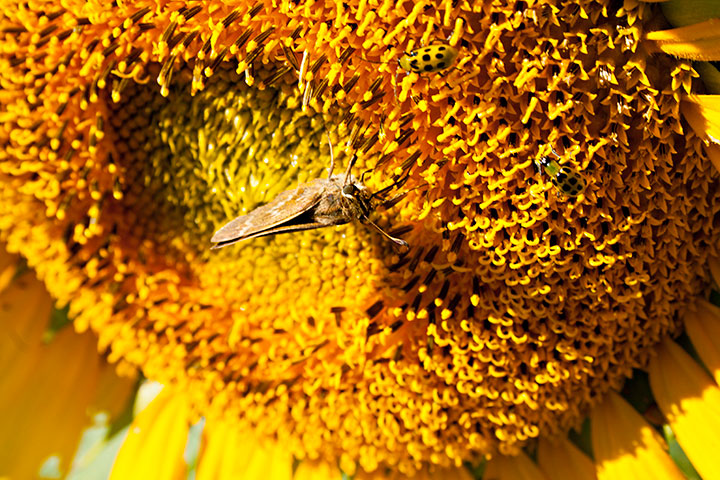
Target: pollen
{"x":131,"y":133}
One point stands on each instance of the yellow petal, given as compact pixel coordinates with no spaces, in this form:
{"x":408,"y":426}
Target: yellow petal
{"x":561,"y":460}
{"x":703,"y":114}
{"x":626,"y":446}
{"x":269,"y":462}
{"x":690,"y":401}
{"x":713,"y":153}
{"x":225,"y":452}
{"x":8,"y":267}
{"x":308,"y":470}
{"x":113,"y":391}
{"x":702,"y":325}
{"x":700,"y":41}
{"x":24,"y":314}
{"x":714,"y":262}
{"x":156,"y":441}
{"x":229,"y":453}
{"x":709,"y":75}
{"x":436,"y":473}
{"x":519,"y":467}
{"x":432,"y":473}
{"x":44,"y":402}
{"x":687,"y":12}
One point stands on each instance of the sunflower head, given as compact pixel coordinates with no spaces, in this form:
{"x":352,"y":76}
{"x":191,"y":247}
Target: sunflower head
{"x":133,"y":132}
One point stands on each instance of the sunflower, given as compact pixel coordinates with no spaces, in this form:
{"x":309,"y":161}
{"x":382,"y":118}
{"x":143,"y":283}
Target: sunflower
{"x":552,"y":167}
{"x":54,"y":384}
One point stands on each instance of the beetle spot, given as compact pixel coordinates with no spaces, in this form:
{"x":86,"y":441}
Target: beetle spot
{"x":428,"y":68}
{"x":413,"y":62}
{"x":441,"y":48}
{"x":426,"y":57}
{"x":573,"y":180}
{"x":439,"y":56}
{"x":441,"y":65}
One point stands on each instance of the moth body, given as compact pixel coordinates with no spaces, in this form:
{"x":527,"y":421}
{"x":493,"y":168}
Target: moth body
{"x":335,"y":200}
{"x":321,"y":203}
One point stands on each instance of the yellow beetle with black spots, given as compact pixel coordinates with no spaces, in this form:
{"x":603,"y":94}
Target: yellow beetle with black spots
{"x":565,"y":179}
{"x":430,"y":59}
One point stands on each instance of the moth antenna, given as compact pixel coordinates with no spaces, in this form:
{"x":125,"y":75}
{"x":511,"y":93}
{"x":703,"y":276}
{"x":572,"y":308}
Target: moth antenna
{"x":398,"y":183}
{"x":332,"y":157}
{"x":387,"y":204}
{"x":362,"y":177}
{"x":351,"y":163}
{"x":397,"y":241}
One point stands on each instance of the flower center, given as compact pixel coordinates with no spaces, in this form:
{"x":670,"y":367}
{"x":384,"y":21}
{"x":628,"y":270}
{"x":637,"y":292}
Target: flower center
{"x":193,"y":162}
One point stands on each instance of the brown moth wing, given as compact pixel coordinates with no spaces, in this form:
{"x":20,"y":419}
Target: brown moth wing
{"x":274,"y":231}
{"x":286,"y":206}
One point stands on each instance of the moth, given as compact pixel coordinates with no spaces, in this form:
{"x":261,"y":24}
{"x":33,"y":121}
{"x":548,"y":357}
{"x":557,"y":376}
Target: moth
{"x":323,"y":202}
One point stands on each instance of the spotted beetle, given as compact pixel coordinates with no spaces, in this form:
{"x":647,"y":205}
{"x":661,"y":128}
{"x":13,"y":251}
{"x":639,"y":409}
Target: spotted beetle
{"x":565,"y":179}
{"x":430,"y":59}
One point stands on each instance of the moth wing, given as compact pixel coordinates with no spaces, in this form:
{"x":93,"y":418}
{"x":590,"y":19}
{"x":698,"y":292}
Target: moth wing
{"x":277,"y":230}
{"x":286,"y":206}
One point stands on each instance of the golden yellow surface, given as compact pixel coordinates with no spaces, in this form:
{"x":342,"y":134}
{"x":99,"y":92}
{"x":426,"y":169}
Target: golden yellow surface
{"x":131,"y":132}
